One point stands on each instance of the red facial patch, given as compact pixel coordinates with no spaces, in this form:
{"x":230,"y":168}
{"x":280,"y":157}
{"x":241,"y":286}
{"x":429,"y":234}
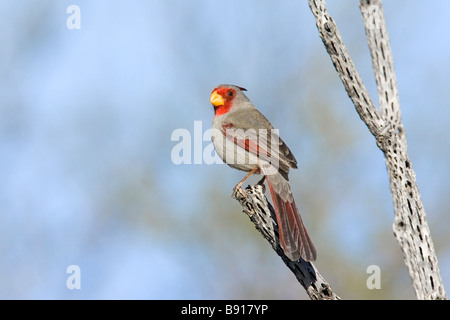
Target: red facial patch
{"x":228,"y":95}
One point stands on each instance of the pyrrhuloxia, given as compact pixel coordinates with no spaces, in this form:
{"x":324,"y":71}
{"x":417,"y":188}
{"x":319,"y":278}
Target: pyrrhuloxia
{"x":246,"y":140}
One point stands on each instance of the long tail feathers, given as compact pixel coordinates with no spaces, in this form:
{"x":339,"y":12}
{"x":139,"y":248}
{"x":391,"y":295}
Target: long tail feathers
{"x":294,"y":238}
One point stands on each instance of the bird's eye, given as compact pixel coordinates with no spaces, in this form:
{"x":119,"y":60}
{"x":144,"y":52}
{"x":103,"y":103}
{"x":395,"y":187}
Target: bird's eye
{"x":230,"y":93}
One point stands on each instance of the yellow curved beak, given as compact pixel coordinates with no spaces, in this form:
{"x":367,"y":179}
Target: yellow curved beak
{"x":216,"y":99}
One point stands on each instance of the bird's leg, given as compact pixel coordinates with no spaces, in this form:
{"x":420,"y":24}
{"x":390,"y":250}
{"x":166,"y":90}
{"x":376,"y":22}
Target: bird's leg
{"x":237,"y":189}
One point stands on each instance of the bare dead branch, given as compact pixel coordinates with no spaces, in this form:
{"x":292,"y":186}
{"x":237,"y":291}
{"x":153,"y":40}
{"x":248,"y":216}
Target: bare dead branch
{"x":410,"y":223}
{"x":410,"y":226}
{"x":261,"y":213}
{"x":350,"y":77}
{"x":382,"y":61}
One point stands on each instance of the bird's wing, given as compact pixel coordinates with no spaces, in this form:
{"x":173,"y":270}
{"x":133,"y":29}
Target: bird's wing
{"x":259,"y":138}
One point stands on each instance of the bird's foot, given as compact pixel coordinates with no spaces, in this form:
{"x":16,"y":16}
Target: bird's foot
{"x":238,"y":193}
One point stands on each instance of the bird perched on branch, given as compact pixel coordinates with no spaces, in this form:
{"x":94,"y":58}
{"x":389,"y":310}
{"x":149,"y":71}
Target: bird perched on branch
{"x":245,"y":140}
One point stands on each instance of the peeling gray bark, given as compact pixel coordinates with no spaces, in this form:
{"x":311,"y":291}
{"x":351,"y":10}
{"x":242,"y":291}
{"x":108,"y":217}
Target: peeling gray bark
{"x":410,"y":223}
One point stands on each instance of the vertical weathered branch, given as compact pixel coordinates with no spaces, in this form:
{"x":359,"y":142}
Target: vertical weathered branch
{"x":410,"y":224}
{"x":351,"y":79}
{"x":382,"y":62}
